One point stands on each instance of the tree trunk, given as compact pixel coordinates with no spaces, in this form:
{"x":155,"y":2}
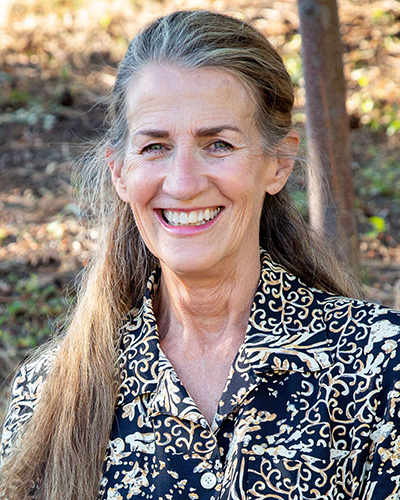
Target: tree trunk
{"x":330,"y":183}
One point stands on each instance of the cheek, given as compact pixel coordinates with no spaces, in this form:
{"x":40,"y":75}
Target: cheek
{"x":245,"y":185}
{"x":140,"y":203}
{"x":142,"y":185}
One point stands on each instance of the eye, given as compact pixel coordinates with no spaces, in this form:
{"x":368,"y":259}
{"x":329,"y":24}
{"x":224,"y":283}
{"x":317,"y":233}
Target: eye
{"x":155,"y":149}
{"x":220,"y":147}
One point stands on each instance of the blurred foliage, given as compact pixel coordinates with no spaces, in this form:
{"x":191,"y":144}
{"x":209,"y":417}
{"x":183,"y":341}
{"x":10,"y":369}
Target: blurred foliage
{"x":299,"y":197}
{"x":292,"y":60}
{"x":33,"y":313}
{"x":65,"y":36}
{"x":32,"y":115}
{"x":378,"y":226}
{"x":381,"y":177}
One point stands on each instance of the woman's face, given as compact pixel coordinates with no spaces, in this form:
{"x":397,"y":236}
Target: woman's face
{"x":194,"y":171}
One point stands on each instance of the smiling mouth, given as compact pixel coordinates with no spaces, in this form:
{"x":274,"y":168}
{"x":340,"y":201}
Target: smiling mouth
{"x":194,"y":218}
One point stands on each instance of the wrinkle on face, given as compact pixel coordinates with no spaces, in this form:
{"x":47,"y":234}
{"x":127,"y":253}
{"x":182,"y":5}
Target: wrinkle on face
{"x":174,"y":116}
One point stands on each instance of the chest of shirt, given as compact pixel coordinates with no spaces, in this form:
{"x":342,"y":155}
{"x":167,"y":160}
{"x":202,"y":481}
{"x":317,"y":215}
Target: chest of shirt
{"x":286,"y":432}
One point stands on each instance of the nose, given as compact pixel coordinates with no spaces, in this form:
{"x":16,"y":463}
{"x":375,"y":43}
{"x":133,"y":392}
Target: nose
{"x":185,"y":178}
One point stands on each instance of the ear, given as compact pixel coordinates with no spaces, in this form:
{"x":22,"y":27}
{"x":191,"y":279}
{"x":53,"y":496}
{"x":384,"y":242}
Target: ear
{"x":117,"y":176}
{"x":285,"y":155}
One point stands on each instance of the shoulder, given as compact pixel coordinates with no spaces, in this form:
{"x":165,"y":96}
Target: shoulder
{"x":357,"y":327}
{"x":25,"y":394}
{"x":341,"y":316}
{"x":366,"y":323}
{"x":364,"y":338}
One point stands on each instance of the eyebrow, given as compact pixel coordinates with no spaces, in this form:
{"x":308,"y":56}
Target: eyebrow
{"x":153,"y":133}
{"x":202,"y":132}
{"x":206,"y":132}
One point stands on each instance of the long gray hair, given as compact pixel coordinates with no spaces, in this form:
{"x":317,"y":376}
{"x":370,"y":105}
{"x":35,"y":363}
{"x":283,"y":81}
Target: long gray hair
{"x":61,"y":453}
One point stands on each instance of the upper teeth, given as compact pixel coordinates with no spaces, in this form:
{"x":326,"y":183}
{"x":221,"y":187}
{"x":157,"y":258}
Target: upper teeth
{"x":195,"y":218}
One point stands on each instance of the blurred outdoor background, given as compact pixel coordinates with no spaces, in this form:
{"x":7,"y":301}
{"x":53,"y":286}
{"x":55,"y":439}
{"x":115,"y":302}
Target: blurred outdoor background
{"x":58,"y":60}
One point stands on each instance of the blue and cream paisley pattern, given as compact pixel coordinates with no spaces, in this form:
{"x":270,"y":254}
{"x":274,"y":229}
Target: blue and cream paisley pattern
{"x":310,"y":410}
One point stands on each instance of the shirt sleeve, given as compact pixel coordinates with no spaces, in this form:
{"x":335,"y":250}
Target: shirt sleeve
{"x":384,"y":466}
{"x":25,"y":394}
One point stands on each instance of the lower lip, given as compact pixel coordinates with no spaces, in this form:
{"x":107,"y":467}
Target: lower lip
{"x":186,"y":230}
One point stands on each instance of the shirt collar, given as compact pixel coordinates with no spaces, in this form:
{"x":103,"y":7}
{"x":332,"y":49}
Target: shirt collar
{"x":286,"y":329}
{"x":286,"y":332}
{"x":139,"y":351}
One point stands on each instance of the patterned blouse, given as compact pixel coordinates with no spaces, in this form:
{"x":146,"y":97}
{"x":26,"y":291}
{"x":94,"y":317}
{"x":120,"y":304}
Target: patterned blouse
{"x":310,"y":410}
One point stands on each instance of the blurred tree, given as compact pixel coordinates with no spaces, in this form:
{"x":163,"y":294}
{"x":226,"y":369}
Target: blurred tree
{"x":330,"y":183}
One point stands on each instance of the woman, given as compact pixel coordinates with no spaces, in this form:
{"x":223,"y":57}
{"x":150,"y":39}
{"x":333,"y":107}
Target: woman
{"x":228,"y":373}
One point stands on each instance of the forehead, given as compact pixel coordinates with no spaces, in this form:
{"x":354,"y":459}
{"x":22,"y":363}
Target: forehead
{"x":162,"y":91}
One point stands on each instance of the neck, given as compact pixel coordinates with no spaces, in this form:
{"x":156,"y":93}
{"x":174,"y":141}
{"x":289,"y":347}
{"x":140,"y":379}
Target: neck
{"x":203,"y":309}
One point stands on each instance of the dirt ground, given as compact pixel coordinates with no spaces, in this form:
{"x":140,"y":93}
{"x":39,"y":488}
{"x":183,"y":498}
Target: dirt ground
{"x":58,"y":61}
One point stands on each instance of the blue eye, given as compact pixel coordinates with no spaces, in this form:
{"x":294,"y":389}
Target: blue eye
{"x":153,"y":149}
{"x":221,"y":147}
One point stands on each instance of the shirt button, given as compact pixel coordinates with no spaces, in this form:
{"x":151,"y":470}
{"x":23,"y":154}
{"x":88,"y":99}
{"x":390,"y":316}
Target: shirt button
{"x":208,"y":480}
